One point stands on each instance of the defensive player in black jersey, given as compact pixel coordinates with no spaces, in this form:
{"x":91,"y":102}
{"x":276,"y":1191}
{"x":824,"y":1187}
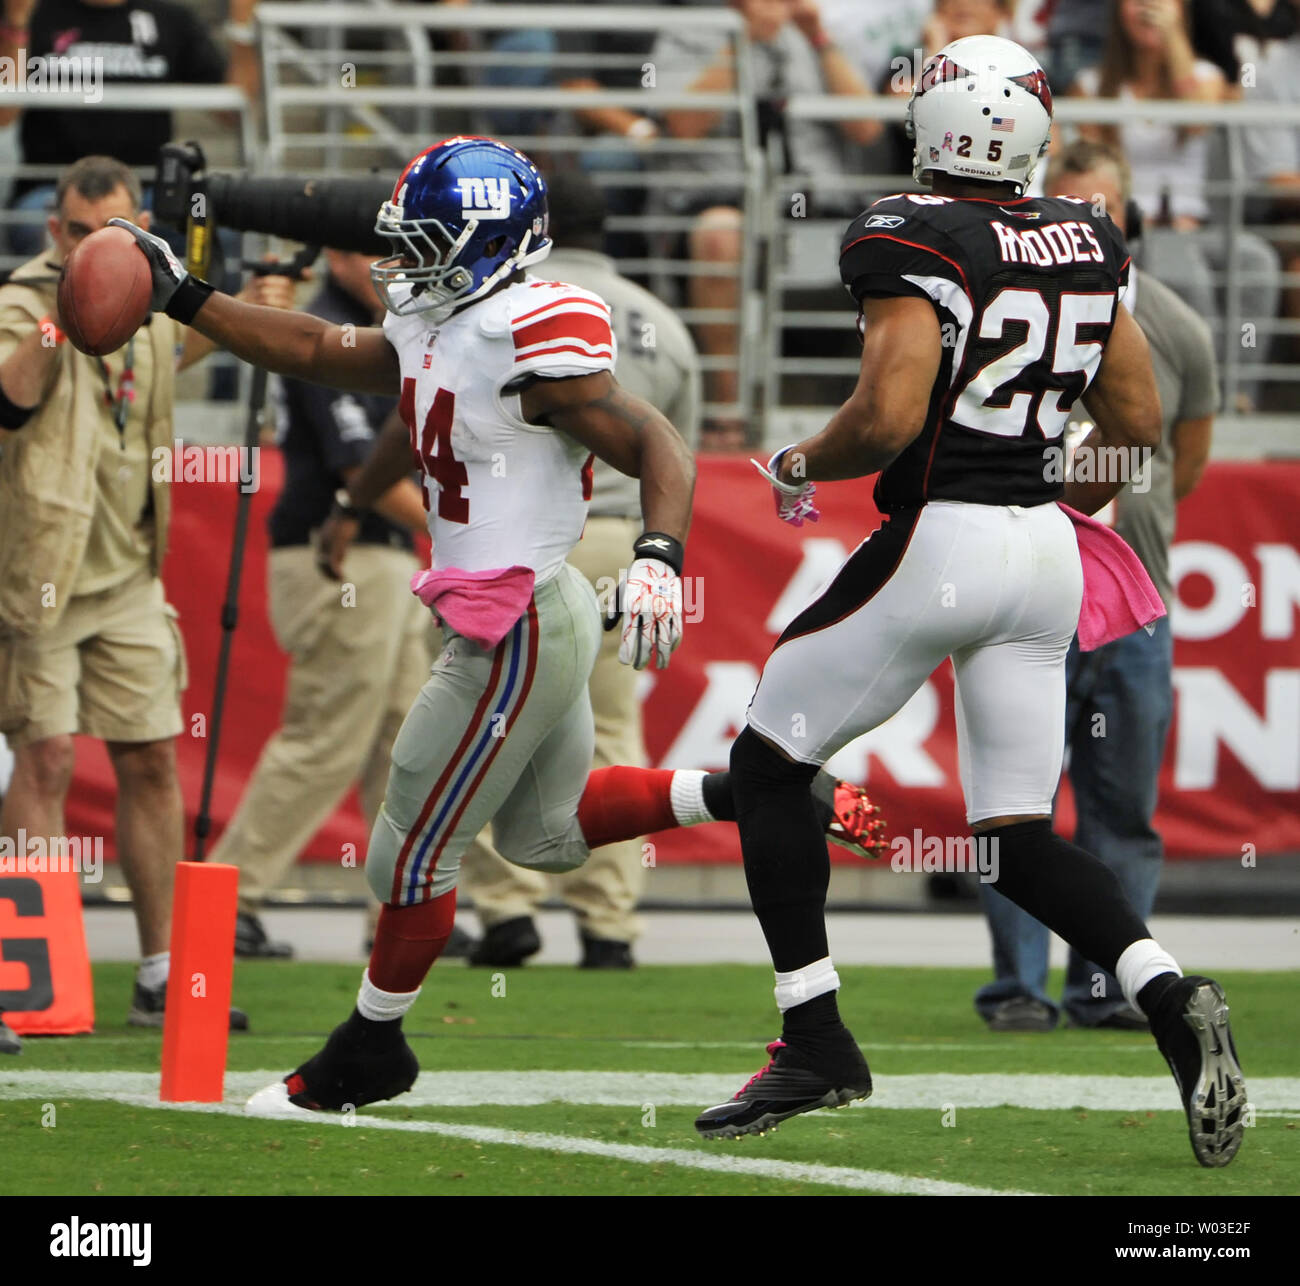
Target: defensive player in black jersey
{"x":985,"y":315}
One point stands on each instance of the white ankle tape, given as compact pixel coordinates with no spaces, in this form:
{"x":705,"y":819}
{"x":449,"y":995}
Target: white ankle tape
{"x":383,"y":1006}
{"x":801,"y":985}
{"x":686,"y":795}
{"x":1144,"y":960}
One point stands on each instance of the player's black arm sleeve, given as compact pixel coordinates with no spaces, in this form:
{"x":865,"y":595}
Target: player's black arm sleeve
{"x":627,"y":432}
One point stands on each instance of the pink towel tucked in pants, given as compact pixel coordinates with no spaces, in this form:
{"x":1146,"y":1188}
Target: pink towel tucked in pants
{"x":1118,"y":596}
{"x":481,"y":606}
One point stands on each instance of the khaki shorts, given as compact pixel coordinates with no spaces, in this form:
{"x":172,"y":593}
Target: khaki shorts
{"x":112,"y":668}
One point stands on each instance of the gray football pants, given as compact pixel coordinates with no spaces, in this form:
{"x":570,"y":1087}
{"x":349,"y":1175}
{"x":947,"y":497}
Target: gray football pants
{"x":505,"y":736}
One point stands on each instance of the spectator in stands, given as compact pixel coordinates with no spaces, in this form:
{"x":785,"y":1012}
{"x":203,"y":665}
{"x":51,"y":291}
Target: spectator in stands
{"x":145,"y":42}
{"x":1149,"y":55}
{"x":657,"y":361}
{"x":950,"y":20}
{"x":357,"y":659}
{"x":1266,"y":45}
{"x":1119,"y":697}
{"x":88,"y":643}
{"x":792,"y":54}
{"x":1076,"y":39}
{"x":870,"y":33}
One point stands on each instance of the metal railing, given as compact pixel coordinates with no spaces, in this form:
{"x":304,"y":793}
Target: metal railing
{"x":392,"y":103}
{"x":225,"y":99}
{"x":1235,"y":433}
{"x":330,"y":107}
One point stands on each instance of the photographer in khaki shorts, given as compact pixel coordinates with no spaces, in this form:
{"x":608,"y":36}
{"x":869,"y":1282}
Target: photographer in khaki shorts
{"x":656,"y":361}
{"x":88,"y":642}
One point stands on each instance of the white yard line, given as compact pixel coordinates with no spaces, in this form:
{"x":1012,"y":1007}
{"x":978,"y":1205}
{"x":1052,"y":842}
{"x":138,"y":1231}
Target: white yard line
{"x":666,"y":1089}
{"x":718,"y":1161}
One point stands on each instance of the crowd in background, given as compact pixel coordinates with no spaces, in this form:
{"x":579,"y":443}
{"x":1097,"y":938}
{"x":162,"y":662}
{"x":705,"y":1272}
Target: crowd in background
{"x":1206,"y":51}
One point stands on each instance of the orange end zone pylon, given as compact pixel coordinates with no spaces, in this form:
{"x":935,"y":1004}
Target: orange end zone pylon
{"x":197,"y":1022}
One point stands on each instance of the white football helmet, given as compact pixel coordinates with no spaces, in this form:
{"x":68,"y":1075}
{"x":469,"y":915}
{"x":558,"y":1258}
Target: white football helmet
{"x":980,"y":109}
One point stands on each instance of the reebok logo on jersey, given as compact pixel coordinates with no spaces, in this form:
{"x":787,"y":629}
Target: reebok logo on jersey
{"x":884,"y":221}
{"x":485,"y":198}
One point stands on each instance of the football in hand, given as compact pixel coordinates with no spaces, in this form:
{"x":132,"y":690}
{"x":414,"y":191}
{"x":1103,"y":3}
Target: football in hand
{"x":104,"y":292}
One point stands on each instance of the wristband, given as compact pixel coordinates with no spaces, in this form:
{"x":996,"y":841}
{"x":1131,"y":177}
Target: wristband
{"x":240,"y":33}
{"x":343,"y":505}
{"x":654,"y":544}
{"x":187,"y":299}
{"x":48,"y":321}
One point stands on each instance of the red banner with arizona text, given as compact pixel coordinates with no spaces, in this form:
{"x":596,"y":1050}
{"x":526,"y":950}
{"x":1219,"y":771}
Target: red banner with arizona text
{"x":1231,"y":776}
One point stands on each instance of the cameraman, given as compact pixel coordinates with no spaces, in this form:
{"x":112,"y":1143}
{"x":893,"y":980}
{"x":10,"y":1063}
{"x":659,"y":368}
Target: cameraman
{"x":88,"y":642}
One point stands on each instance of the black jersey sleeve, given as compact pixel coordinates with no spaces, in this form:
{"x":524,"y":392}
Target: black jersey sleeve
{"x":891,"y":248}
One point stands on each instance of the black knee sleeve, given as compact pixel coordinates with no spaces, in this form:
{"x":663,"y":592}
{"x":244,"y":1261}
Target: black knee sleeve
{"x":1077,"y":896}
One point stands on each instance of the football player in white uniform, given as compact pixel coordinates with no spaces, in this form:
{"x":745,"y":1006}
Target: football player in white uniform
{"x":507,"y":389}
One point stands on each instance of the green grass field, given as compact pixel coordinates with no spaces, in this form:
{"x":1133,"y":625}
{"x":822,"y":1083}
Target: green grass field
{"x":574,"y":1082}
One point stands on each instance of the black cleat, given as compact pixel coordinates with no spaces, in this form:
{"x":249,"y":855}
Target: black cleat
{"x":1190,"y":1025}
{"x":253,"y":943}
{"x":788,"y":1085}
{"x":351,"y":1072}
{"x":509,"y":943}
{"x":148,"y":1006}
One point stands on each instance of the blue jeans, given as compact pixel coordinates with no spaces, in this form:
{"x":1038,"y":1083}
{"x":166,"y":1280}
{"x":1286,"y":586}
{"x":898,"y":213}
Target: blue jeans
{"x":1118,"y":707}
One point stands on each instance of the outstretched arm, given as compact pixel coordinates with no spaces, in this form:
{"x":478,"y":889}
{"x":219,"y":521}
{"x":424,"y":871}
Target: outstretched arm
{"x":628,"y":433}
{"x":359,"y":359}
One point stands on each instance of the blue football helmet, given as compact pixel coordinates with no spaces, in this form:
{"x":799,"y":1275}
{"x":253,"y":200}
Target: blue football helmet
{"x":465,"y":214}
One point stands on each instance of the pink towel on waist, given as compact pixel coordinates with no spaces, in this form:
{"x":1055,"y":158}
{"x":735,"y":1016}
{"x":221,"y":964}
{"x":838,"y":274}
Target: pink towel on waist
{"x":1118,"y":596}
{"x":481,"y":606}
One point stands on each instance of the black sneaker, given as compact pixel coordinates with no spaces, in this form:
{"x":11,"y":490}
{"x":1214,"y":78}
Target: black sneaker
{"x":252,"y":943}
{"x":9,"y":1041}
{"x":348,"y":1073}
{"x":790,"y":1084}
{"x":1022,"y":1013}
{"x":605,"y":953}
{"x":1190,"y":1025}
{"x":149,"y":1003}
{"x":509,"y":943}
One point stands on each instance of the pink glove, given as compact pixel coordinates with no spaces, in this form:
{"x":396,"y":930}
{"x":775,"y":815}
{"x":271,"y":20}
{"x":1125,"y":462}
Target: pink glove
{"x":794,"y":503}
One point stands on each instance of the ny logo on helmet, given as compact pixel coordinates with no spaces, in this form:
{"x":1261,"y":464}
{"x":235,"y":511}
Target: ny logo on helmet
{"x":485,"y":198}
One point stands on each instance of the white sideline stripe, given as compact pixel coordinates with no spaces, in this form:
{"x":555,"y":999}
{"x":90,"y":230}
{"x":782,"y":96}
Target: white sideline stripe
{"x":836,"y":1176}
{"x":664,"y":1089}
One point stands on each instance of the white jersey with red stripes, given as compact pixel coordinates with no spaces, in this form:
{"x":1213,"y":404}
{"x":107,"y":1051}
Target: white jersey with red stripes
{"x":500,"y":492}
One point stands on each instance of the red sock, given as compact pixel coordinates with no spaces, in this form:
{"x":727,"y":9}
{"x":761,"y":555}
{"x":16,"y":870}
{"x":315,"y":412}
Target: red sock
{"x":623,"y":803}
{"x":408,"y":939}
